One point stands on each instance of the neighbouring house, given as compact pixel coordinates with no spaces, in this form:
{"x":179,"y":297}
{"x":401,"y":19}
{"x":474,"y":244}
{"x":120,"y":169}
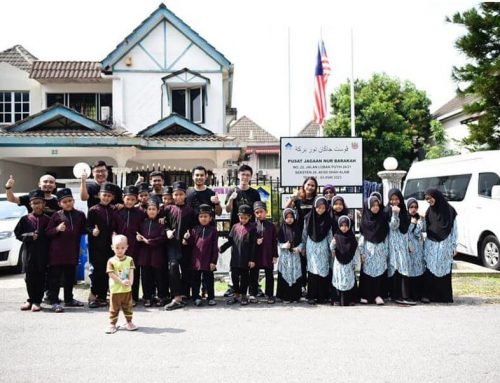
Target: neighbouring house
{"x":162,"y":98}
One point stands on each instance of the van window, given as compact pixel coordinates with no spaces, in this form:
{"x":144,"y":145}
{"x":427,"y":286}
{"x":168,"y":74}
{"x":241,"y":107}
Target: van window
{"x":452,"y":187}
{"x":486,"y":183}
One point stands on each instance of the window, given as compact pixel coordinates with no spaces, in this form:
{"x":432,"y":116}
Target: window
{"x":93,"y":105}
{"x":189,"y":103}
{"x":486,"y":183}
{"x":452,"y":187}
{"x":14,"y":106}
{"x":268,"y":161}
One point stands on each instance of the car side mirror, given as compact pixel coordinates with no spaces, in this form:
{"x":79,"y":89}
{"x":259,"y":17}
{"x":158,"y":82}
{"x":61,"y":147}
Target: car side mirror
{"x":495,"y":192}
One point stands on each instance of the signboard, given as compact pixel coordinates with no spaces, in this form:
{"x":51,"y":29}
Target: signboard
{"x":332,"y":160}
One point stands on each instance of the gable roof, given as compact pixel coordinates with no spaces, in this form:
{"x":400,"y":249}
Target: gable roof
{"x":310,"y":130}
{"x":57,"y":118}
{"x":66,"y":70}
{"x":160,"y":14}
{"x":456,"y":105}
{"x":19,"y":57}
{"x":174,"y":124}
{"x":246,"y":130}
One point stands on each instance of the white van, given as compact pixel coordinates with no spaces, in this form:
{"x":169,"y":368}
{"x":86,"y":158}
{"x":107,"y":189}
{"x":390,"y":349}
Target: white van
{"x":471,"y":183}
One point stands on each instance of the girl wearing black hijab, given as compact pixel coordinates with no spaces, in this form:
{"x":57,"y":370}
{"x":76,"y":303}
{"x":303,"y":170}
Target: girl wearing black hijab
{"x":316,"y":241}
{"x":440,"y":246}
{"x":289,"y":268}
{"x":338,"y":209}
{"x":399,"y":251}
{"x":374,"y":251}
{"x":343,"y":277}
{"x":415,"y":237}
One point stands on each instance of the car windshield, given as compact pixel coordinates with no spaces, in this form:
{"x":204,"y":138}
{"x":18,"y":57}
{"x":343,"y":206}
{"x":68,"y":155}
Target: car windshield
{"x":9,"y":210}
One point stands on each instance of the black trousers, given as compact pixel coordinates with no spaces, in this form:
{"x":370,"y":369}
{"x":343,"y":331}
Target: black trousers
{"x":400,"y":286}
{"x":254,"y":282}
{"x":303,"y":266}
{"x":197,"y":276}
{"x":153,"y":281}
{"x":371,"y":287}
{"x":318,"y":287}
{"x":179,"y":277}
{"x":68,"y":272}
{"x":240,"y":278}
{"x":35,"y":285}
{"x":99,"y":279}
{"x":438,"y":289}
{"x":137,"y":282}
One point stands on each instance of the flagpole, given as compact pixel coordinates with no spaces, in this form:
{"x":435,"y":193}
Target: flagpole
{"x":289,"y":89}
{"x":353,"y":117}
{"x":321,"y":130}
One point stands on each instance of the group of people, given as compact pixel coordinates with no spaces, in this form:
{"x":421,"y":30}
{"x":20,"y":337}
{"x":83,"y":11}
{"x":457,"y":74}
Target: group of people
{"x":164,"y":238}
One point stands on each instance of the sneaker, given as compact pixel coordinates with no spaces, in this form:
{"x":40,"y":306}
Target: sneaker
{"x":252,"y":299}
{"x":271,"y":300}
{"x":35,"y":308}
{"x":425,"y":300}
{"x":229,"y":293}
{"x":111,"y":329}
{"x":198,"y":302}
{"x":93,"y":304}
{"x":102,"y":302}
{"x":73,"y":303}
{"x":130,"y":326}
{"x":379,"y":301}
{"x":174,"y":305}
{"x":57,"y":308}
{"x":232,"y":301}
{"x":244,"y":302}
{"x":26,"y":306}
{"x":147,"y":303}
{"x":410,"y":302}
{"x":212,"y":302}
{"x":311,"y":301}
{"x":363,"y":301}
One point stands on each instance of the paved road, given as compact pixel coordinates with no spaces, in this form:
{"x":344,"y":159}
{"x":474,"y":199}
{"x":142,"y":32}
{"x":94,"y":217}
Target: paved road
{"x":256,"y":343}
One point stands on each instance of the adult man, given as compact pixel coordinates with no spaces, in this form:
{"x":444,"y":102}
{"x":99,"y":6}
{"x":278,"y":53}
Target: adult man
{"x":89,"y":190}
{"x":242,"y":195}
{"x":200,"y":194}
{"x":47,"y":184}
{"x":157,"y":181}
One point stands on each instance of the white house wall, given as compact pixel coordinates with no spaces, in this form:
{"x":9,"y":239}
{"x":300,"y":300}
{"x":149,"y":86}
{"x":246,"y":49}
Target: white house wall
{"x":15,"y":79}
{"x":455,"y":130}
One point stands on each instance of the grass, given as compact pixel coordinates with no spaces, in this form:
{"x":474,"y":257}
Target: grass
{"x":474,"y":286}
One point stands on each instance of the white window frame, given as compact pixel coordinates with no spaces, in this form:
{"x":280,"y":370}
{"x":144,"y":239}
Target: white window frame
{"x":187,"y":102}
{"x":13,"y":105}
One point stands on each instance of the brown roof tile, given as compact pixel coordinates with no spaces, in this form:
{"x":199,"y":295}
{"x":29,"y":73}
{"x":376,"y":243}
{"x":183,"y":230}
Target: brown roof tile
{"x":66,"y":70}
{"x":190,"y":138}
{"x":50,"y":132}
{"x":310,"y":130}
{"x":19,"y":57}
{"x":248,"y":131}
{"x":456,"y":103}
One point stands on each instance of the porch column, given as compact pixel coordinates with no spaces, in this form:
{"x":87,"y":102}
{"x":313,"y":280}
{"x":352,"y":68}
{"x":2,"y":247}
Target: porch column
{"x":121,"y":175}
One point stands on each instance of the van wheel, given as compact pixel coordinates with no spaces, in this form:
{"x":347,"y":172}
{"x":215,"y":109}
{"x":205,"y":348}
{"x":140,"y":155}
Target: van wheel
{"x":490,"y":252}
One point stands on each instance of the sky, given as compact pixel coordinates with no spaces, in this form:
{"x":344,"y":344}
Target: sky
{"x":407,"y":40}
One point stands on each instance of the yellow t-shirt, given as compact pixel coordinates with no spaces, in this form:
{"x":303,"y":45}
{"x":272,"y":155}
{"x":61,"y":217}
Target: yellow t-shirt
{"x":122,"y":269}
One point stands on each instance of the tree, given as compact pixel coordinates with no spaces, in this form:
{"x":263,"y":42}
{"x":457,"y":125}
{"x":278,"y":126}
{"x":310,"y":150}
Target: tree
{"x":391,"y":117}
{"x":481,"y":75}
{"x":436,"y":148}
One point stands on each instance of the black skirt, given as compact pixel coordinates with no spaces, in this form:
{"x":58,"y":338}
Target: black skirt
{"x":438,"y":289}
{"x":288,"y":293}
{"x":372,"y":287}
{"x":318,"y":287}
{"x":417,"y":287}
{"x":400,"y":287}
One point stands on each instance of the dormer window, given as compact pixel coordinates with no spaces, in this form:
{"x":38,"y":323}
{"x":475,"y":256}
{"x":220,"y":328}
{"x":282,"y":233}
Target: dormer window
{"x":188,"y":102}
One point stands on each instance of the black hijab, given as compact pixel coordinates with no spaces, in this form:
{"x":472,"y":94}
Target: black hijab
{"x":346,"y":243}
{"x":374,"y":227}
{"x":317,"y":225}
{"x":334,"y":215}
{"x":290,"y":233}
{"x":439,"y":218}
{"x":404,"y":217}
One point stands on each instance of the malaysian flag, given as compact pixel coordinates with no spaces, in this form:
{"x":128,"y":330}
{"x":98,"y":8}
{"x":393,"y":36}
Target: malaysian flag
{"x":321,"y":77}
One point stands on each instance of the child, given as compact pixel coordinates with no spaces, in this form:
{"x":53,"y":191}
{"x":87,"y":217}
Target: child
{"x":374,"y":250}
{"x":416,"y":243}
{"x":64,"y":230}
{"x":266,"y":254}
{"x":179,"y":220}
{"x":344,"y":249}
{"x":166,"y":197}
{"x":203,"y":240}
{"x":329,"y":192}
{"x":338,"y":209}
{"x":30,"y":230}
{"x":316,"y":240}
{"x":399,"y":253}
{"x":100,"y":225}
{"x":242,"y":240}
{"x":289,"y":266}
{"x":151,"y":255}
{"x":440,"y":246}
{"x":128,"y":222}
{"x":120,"y":269}
{"x":143,"y":196}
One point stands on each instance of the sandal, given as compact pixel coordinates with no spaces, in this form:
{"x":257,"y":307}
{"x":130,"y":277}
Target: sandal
{"x":174,"y":305}
{"x":147,"y":303}
{"x":271,"y":301}
{"x":232,"y":301}
{"x":252,"y":299}
{"x":212,"y":302}
{"x":57,"y":308}
{"x":26,"y":306}
{"x":130,"y":326}
{"x":35,"y":308}
{"x":244,"y":302}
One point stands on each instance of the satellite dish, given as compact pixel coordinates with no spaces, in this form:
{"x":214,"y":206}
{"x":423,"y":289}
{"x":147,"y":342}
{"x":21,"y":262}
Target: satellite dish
{"x":80,"y":168}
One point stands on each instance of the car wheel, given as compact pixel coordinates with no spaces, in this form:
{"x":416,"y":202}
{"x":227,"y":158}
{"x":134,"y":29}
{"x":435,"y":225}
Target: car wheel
{"x":490,"y":252}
